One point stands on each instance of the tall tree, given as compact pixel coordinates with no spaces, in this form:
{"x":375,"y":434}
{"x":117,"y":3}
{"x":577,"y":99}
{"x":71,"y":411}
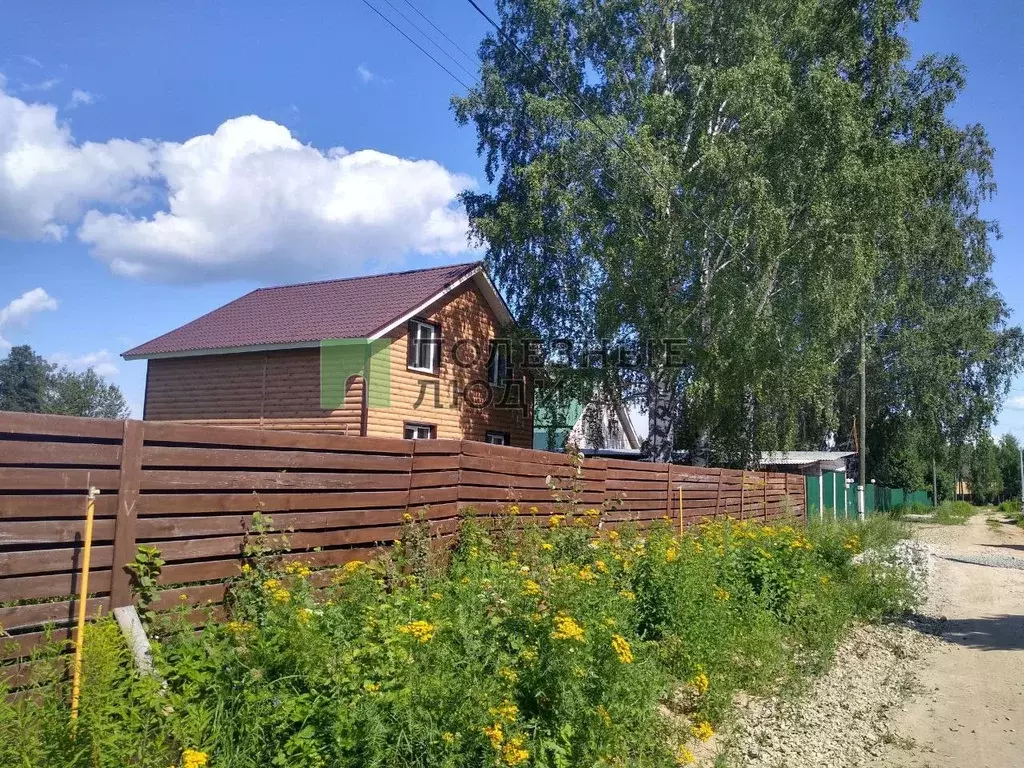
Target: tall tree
{"x":757,"y":178}
{"x":85,"y":394}
{"x":30,"y":384}
{"x":1009,"y":465}
{"x":24,"y":380}
{"x":986,"y":479}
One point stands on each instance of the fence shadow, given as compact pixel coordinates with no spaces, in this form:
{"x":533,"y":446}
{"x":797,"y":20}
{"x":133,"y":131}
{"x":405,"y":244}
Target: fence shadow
{"x":992,"y":633}
{"x":1017,"y":547}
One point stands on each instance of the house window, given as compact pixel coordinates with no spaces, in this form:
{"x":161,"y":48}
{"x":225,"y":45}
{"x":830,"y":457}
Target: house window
{"x":497,"y":438}
{"x":419,"y":431}
{"x":498,"y":367}
{"x":424,"y":346}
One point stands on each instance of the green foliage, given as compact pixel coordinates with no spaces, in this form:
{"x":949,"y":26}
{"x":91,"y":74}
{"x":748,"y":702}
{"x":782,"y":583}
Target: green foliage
{"x":23,"y":380}
{"x":762,"y":178}
{"x":954,"y":512}
{"x":559,"y":645}
{"x":1012,"y":507}
{"x":145,"y":570}
{"x":986,"y":477}
{"x":30,"y":384}
{"x":1009,"y":465}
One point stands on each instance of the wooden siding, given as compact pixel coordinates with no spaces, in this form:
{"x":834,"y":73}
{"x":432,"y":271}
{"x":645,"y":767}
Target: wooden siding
{"x":281,"y":389}
{"x":462,"y":316}
{"x":278,"y":389}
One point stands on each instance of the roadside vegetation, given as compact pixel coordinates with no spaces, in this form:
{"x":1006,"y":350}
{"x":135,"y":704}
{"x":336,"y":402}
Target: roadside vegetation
{"x":557,"y":643}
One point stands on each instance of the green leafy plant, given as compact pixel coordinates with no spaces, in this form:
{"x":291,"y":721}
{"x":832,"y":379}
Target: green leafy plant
{"x":145,"y":569}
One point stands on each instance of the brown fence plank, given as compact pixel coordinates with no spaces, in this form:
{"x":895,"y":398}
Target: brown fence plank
{"x":34,"y":479}
{"x":58,"y":426}
{"x":22,"y":452}
{"x":227,"y":458}
{"x":182,"y":480}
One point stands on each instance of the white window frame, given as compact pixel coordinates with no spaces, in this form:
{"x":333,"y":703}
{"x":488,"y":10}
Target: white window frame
{"x":498,"y":373}
{"x":422,"y":333}
{"x":502,"y":438}
{"x":416,"y":430}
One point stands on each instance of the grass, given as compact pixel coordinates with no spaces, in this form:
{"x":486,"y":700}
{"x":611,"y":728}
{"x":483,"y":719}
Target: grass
{"x":571,"y":645}
{"x":954,"y":512}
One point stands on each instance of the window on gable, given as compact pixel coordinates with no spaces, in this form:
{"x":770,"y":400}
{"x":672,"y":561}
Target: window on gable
{"x":424,"y":347}
{"x":499,"y":367}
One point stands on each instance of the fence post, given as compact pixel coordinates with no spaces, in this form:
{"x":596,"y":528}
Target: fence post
{"x":668,"y":494}
{"x":764,"y":496}
{"x":718,"y":494}
{"x":127,"y":512}
{"x":743,"y":492}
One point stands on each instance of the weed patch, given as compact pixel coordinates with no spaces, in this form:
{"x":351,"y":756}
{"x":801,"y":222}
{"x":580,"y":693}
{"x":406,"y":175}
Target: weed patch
{"x":545,"y":644}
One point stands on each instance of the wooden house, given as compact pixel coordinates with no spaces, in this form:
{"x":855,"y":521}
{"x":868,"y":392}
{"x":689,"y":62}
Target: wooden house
{"x":436,"y":365}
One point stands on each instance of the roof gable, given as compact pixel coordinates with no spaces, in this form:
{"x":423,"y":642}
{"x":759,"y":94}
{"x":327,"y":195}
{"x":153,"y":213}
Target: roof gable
{"x":306,"y":313}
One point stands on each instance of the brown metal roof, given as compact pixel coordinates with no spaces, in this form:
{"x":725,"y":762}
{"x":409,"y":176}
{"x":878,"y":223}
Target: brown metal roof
{"x":351,"y":308}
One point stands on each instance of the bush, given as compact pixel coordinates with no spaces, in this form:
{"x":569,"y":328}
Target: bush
{"x":537,"y":645}
{"x":954,"y":512}
{"x":1010,"y":507}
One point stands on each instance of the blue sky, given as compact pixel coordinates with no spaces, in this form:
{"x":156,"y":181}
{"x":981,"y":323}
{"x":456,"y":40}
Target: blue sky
{"x":154,"y":134}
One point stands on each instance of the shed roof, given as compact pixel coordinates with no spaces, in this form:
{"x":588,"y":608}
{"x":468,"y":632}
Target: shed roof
{"x":778,"y":458}
{"x":307,"y":313}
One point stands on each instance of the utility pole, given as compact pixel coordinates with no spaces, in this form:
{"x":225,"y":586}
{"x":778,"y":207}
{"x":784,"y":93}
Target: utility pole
{"x":1022,"y":475}
{"x":863,"y":460}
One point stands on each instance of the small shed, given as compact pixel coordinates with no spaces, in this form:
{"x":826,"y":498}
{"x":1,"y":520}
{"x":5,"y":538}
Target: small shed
{"x":828,"y":486}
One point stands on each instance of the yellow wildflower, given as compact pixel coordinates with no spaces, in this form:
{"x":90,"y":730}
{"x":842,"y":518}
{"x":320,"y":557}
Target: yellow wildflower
{"x":604,"y":715}
{"x":512,"y":753}
{"x":281,"y":595}
{"x":531,"y":587}
{"x":246,"y":568}
{"x":622,"y":649}
{"x":555,"y":520}
{"x":721,"y":594}
{"x":534,"y":510}
{"x":193,"y":758}
{"x":514,"y":509}
{"x":684,"y":756}
{"x":627,"y":595}
{"x":547,"y":546}
{"x":703,"y":730}
{"x":591,"y":512}
{"x":298,"y":569}
{"x":435,"y":595}
{"x":701,"y":683}
{"x":566,"y":628}
{"x":495,"y":734}
{"x":448,"y":738}
{"x":407,"y":517}
{"x":601,"y":567}
{"x":421,"y":630}
{"x":238,"y":627}
{"x":506,"y":711}
{"x":271,"y":584}
{"x":613,"y":535}
{"x":529,"y":655}
{"x":304,"y":615}
{"x":825,"y":579}
{"x":352,"y":566}
{"x":587,"y":575}
{"x":371,"y":687}
{"x":508,"y":674}
{"x":670,"y":554}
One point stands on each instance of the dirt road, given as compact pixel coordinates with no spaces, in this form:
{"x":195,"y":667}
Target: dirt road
{"x":970,"y":707}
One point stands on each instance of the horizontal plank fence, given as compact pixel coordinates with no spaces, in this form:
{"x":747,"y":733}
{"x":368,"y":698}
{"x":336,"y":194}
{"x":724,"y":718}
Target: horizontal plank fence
{"x":192,"y":491}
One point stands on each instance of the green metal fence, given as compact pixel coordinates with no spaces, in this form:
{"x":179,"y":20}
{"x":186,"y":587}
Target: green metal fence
{"x":837,"y":497}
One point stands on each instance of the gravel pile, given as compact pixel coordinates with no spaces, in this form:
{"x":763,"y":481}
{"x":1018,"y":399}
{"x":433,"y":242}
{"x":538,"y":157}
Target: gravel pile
{"x":843,"y":720}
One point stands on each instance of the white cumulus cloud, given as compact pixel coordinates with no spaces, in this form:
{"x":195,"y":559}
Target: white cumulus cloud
{"x":102,"y":362}
{"x":1016,"y":403}
{"x":47,"y":179}
{"x":80,"y":98}
{"x":19,"y":310}
{"x":248,"y":200}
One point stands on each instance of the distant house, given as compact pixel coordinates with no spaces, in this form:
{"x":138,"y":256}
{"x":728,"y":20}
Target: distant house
{"x":599,"y":427}
{"x":406,"y":354}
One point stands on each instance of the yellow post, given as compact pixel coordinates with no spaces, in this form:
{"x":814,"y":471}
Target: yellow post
{"x":83,"y":594}
{"x":680,"y":509}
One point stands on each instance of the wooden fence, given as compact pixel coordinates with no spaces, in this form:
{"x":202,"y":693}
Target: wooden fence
{"x":191,"y":491}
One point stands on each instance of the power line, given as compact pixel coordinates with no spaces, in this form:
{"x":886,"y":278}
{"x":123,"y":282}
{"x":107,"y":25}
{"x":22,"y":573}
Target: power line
{"x":469,"y":57}
{"x":414,"y":25}
{"x":423,"y":50}
{"x":650,"y":174}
